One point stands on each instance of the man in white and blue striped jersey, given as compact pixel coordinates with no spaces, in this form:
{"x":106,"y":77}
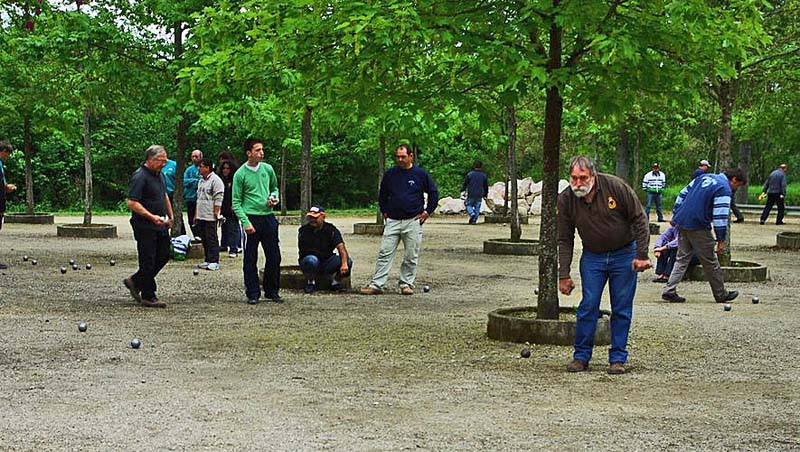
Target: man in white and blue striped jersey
{"x":706,"y":201}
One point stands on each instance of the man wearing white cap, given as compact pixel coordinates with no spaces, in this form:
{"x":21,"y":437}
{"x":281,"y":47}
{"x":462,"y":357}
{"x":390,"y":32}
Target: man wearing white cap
{"x":702,"y":169}
{"x":316,"y":242}
{"x":654,"y":184}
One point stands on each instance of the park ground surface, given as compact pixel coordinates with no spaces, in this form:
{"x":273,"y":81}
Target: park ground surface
{"x":389,"y":372}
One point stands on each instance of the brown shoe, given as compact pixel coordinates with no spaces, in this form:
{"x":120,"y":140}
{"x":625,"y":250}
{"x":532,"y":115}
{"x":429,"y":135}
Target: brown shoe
{"x":577,"y":365}
{"x":153,"y":303}
{"x":406,"y":290}
{"x":128,"y":282}
{"x":616,"y":368}
{"x":369,"y":290}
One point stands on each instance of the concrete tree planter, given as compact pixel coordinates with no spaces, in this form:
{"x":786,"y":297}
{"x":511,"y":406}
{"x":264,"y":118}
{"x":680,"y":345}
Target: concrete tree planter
{"x":655,"y":229}
{"x":368,"y":228}
{"x":196,"y":251}
{"x":289,"y":219}
{"x":92,"y":231}
{"x":36,"y":218}
{"x":521,"y":325}
{"x":788,"y":240}
{"x":503,"y":219}
{"x":522,"y":247}
{"x":739,"y":271}
{"x":293,"y":278}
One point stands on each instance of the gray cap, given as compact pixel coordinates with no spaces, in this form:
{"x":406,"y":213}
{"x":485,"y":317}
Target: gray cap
{"x":704,"y":162}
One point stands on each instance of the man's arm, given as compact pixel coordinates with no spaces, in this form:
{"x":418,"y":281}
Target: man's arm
{"x":465,"y":183}
{"x":219,"y":195}
{"x":485,"y":185}
{"x":640,"y":227}
{"x":383,"y":194}
{"x":274,"y":190}
{"x":137,"y":208}
{"x":237,"y":201}
{"x":719,"y":213}
{"x":682,"y":196}
{"x":343,"y":268}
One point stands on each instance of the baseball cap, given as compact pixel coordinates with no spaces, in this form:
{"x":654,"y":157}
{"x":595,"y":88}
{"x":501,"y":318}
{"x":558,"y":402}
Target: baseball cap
{"x":655,"y":164}
{"x":704,"y":162}
{"x":315,"y":211}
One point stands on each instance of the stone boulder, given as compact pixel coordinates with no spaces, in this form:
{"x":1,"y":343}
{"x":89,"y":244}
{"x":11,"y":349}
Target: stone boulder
{"x":452,"y":206}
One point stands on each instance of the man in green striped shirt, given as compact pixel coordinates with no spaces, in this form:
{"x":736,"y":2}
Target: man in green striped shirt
{"x":255,"y":193}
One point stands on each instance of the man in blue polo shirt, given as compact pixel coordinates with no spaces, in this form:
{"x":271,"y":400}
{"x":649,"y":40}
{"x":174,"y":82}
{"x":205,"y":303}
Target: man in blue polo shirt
{"x":402,"y":203}
{"x":704,"y":202}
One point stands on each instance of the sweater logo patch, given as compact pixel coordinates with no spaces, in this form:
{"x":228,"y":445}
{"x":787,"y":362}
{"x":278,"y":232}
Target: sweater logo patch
{"x":612,"y":203}
{"x":411,"y":183}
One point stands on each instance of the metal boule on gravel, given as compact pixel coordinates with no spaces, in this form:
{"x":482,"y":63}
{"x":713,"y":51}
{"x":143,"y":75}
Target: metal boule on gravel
{"x":136,"y":343}
{"x":525,"y":353}
{"x":82,"y":327}
{"x":536,"y":291}
{"x":112,"y":262}
{"x":195,"y":272}
{"x":72,"y":262}
{"x":25,"y":258}
{"x":727,"y":306}
{"x":74,"y":266}
{"x":34,"y":262}
{"x":63,"y":270}
{"x":426,"y":289}
{"x":756,"y":300}
{"x":88,"y":266}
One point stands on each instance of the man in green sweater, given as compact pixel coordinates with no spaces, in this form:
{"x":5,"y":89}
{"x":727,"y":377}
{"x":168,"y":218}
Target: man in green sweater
{"x":255,"y":193}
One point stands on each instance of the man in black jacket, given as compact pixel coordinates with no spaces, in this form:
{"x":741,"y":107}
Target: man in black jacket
{"x":316,"y":242}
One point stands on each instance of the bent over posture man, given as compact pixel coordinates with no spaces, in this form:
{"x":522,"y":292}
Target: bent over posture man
{"x":151,"y":218}
{"x":615,"y":235}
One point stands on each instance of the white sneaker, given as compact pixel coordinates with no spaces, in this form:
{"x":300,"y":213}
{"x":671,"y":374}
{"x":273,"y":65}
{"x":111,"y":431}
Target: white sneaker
{"x":213,"y":267}
{"x":204,"y":265}
{"x":232,"y":255}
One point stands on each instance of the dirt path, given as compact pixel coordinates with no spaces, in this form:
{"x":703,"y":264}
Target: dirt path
{"x":348,"y":372}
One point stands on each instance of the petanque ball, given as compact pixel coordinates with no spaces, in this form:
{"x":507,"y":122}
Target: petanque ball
{"x":426,"y":289}
{"x":536,"y":291}
{"x":525,"y":353}
{"x":195,"y":272}
{"x":25,"y":258}
{"x":74,"y":266}
{"x":63,"y":270}
{"x":88,"y":266}
{"x":72,"y":262}
{"x":34,"y":262}
{"x":113,"y":262}
{"x":82,"y":327}
{"x":756,"y":300}
{"x":727,"y":306}
{"x":136,"y":343}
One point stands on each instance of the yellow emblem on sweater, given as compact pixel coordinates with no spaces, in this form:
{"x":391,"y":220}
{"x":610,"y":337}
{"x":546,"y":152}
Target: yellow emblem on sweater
{"x":612,"y":203}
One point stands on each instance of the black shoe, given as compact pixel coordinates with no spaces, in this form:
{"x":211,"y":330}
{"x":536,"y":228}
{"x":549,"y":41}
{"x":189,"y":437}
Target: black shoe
{"x":3,"y":266}
{"x":761,"y":222}
{"x":309,"y":288}
{"x":252,"y":301}
{"x":731,"y":295}
{"x":128,"y":282}
{"x":338,"y":287}
{"x":672,"y":297}
{"x":780,"y":223}
{"x":739,"y":220}
{"x":276,"y":298}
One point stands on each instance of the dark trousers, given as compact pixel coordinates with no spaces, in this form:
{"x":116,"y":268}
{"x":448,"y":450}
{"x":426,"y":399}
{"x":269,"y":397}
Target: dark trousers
{"x":266,"y":235}
{"x":191,"y":209}
{"x":208,"y":234}
{"x":232,"y":234}
{"x":772,"y":199}
{"x":735,"y":209}
{"x":153,"y":248}
{"x":666,"y":261}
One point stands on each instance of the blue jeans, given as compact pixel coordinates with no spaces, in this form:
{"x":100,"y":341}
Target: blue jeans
{"x":313,"y":266}
{"x":614,"y":267}
{"x":654,"y":198}
{"x":266,"y":235}
{"x":473,"y":208}
{"x":666,"y":261}
{"x":232,"y":235}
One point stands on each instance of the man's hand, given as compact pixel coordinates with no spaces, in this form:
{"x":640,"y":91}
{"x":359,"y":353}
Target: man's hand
{"x":640,"y":265}
{"x":10,"y":188}
{"x":720,"y":247}
{"x":250,"y":229}
{"x":272,"y":201}
{"x":344,"y":270}
{"x":566,"y":285}
{"x":423,"y":217}
{"x":658,"y":254}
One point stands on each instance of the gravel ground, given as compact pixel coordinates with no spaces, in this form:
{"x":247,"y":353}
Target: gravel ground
{"x":348,"y":372}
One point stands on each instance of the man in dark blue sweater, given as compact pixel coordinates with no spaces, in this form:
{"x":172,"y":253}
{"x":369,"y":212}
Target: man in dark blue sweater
{"x":476,"y":184}
{"x":704,"y":202}
{"x":402,"y":202}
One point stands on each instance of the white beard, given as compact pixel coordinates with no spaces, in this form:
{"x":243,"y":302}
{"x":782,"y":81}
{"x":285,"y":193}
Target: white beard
{"x":580,"y":192}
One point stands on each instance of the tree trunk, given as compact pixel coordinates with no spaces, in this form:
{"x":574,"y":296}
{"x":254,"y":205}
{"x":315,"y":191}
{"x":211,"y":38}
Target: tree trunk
{"x":623,"y":169}
{"x":282,"y":188}
{"x":551,"y":155}
{"x":27,"y":151}
{"x":87,"y":165}
{"x":745,"y":154}
{"x":516,"y":229}
{"x":381,"y":171}
{"x":727,"y":99}
{"x":180,"y":147}
{"x":636,"y":164}
{"x":305,"y":159}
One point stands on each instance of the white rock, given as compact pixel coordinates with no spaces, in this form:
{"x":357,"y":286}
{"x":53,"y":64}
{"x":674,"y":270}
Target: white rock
{"x":536,"y":207}
{"x":452,"y":206}
{"x":442,"y":201}
{"x":562,"y":185}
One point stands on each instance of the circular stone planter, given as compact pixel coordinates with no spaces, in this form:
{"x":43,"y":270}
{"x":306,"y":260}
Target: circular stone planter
{"x":523,"y":247}
{"x":36,"y":218}
{"x":289,"y":219}
{"x":789,"y":240}
{"x":92,"y":231}
{"x":293,"y":278}
{"x":655,"y":229}
{"x":521,"y":325}
{"x":503,"y":219}
{"x":368,"y":228}
{"x":739,"y":271}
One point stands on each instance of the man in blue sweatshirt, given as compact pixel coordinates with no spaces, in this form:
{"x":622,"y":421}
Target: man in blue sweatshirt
{"x":402,"y":203}
{"x":476,"y":184}
{"x":704,"y":202}
{"x":191,"y":178}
